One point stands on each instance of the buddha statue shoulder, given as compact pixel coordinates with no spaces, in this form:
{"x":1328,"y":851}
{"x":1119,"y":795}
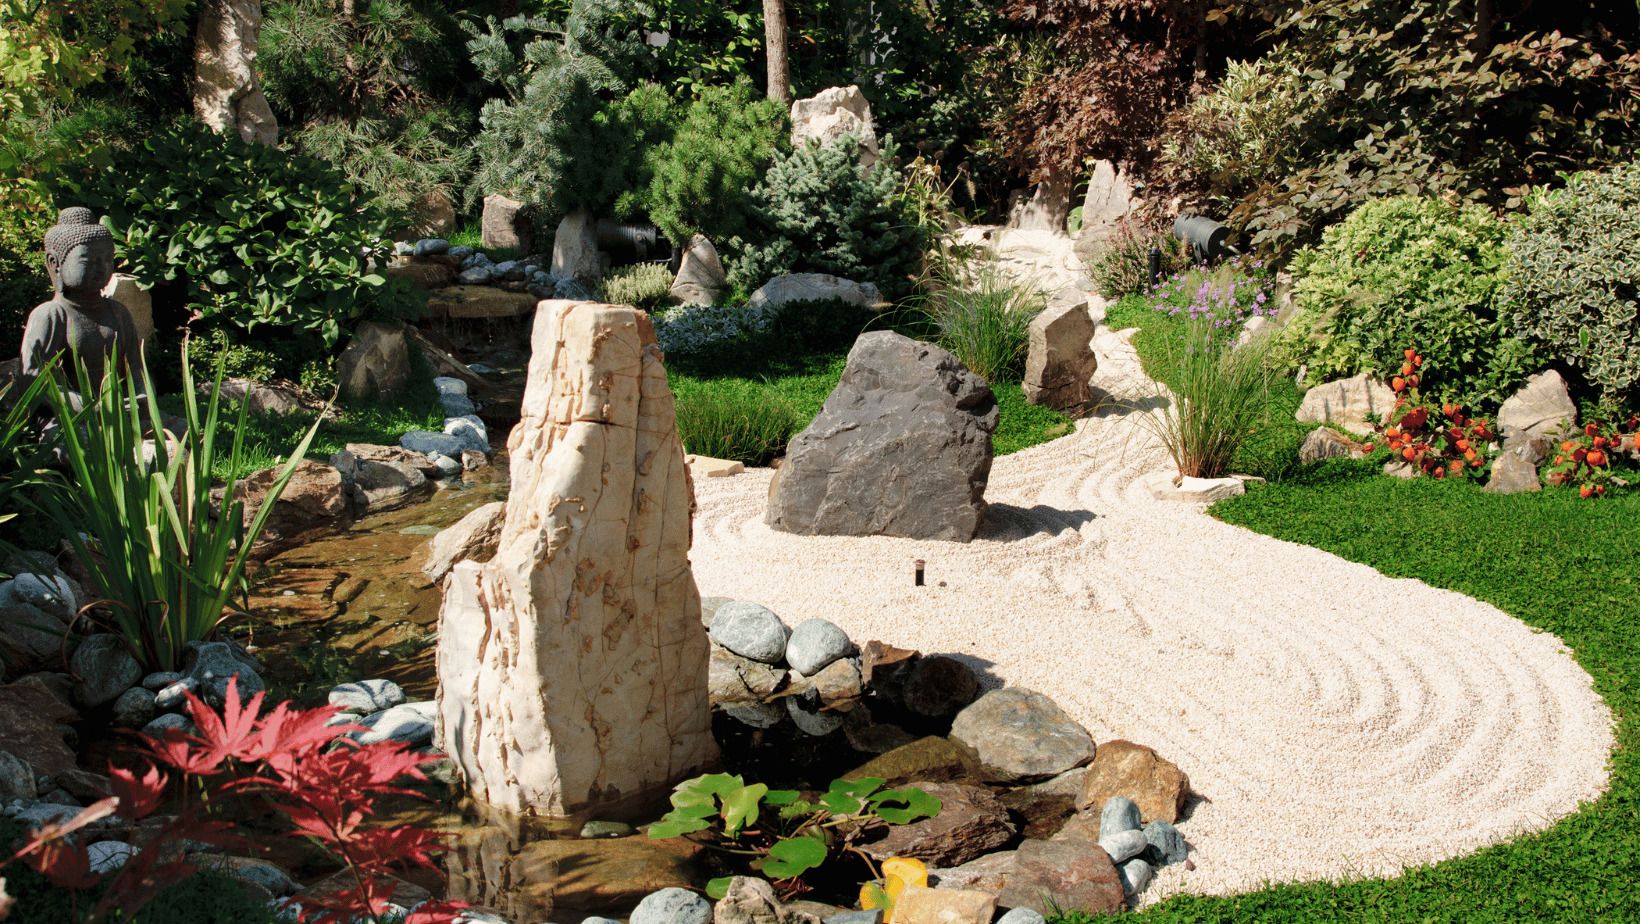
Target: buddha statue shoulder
{"x":80,"y":319}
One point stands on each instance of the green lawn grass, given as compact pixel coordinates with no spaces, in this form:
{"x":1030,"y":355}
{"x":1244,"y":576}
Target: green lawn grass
{"x":1555,"y":561}
{"x":797,"y":388}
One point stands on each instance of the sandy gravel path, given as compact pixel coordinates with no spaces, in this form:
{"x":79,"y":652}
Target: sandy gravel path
{"x":1335,"y":721}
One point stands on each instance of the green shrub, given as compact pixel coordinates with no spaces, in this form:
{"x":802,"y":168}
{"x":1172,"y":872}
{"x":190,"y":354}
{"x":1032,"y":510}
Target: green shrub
{"x":1401,"y":273}
{"x":737,"y":421}
{"x":985,"y":321}
{"x":1571,"y":278}
{"x":257,"y":237}
{"x":703,"y":178}
{"x":1122,"y":264}
{"x":641,"y":285}
{"x":818,"y":211}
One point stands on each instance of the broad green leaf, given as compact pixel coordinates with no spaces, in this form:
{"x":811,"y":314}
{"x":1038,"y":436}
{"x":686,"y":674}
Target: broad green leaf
{"x":794,"y":856}
{"x":905,"y":805}
{"x":742,"y":807}
{"x":717,"y":889}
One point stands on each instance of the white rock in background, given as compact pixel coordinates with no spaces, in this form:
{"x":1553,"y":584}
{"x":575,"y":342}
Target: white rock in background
{"x":833,"y":113}
{"x":1542,"y":407}
{"x":1356,"y":403}
{"x":575,"y":248}
{"x":813,"y":287}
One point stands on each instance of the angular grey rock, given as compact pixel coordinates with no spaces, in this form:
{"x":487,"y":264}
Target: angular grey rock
{"x":813,"y":287}
{"x":1022,"y":916}
{"x":457,"y":405}
{"x":1513,"y":472}
{"x":366,"y":696}
{"x":1541,"y":408}
{"x":750,"y":631}
{"x":16,"y":779}
{"x":461,"y":251}
{"x":1059,"y":361}
{"x":1044,"y":207}
{"x":375,"y":363}
{"x":470,"y":430}
{"x":387,"y":485}
{"x":700,"y":279}
{"x":1136,"y":875}
{"x":427,"y":442}
{"x":732,"y":679}
{"x":1109,"y":201}
{"x":814,"y":644}
{"x":971,"y":823}
{"x":672,"y":906}
{"x":1356,"y":403}
{"x":107,"y":856}
{"x":1326,"y":443}
{"x":211,"y":665}
{"x":431,"y":246}
{"x":474,"y":537}
{"x":1167,"y":844}
{"x":105,"y":668}
{"x":134,"y":708}
{"x":1021,"y":736}
{"x":1124,"y":845}
{"x":856,"y":917}
{"x":748,"y":901}
{"x":503,"y":226}
{"x":902,"y":447}
{"x":447,"y":467}
{"x":1119,"y":814}
{"x":575,"y":248}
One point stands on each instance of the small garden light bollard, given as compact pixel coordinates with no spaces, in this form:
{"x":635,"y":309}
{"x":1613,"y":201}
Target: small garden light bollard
{"x":919,"y":577}
{"x":1155,"y":266}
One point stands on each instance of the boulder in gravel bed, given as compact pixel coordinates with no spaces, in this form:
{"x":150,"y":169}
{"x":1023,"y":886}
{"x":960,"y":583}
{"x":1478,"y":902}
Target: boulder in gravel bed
{"x":1072,"y":874}
{"x":902,"y":447}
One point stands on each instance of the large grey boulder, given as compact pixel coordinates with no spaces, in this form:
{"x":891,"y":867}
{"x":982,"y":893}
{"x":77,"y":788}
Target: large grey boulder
{"x":1060,"y":361}
{"x":700,"y":279}
{"x":902,"y":447}
{"x":831,"y":114}
{"x":375,"y":363}
{"x":813,"y":287}
{"x":1356,"y":403}
{"x":1541,"y":408}
{"x":1110,"y":201}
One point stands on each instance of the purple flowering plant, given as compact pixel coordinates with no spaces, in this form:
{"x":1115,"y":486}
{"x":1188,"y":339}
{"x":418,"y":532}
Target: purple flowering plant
{"x":1225,"y":296}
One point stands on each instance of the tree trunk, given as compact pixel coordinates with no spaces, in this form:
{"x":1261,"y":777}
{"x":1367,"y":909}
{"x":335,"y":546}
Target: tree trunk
{"x":774,"y":33}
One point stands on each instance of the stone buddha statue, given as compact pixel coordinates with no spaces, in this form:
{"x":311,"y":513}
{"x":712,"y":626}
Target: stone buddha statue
{"x":80,"y":319}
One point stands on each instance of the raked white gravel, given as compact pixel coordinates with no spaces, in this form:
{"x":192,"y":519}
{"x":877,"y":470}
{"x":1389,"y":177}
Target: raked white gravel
{"x":1334,"y":722}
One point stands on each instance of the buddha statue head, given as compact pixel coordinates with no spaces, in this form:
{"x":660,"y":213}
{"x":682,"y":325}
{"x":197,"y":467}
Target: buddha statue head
{"x":79,"y":253}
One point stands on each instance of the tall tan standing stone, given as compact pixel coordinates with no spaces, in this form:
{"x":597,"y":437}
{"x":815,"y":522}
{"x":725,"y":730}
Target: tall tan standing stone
{"x":572,"y":665}
{"x":227,"y":94}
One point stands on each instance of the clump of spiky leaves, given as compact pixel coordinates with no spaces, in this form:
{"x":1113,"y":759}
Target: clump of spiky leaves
{"x":984,"y":318}
{"x":1218,"y":395}
{"x":641,"y":285}
{"x":165,"y":558}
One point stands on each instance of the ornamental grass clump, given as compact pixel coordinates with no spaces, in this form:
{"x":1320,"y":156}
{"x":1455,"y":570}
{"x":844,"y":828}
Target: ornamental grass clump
{"x":165,"y":558}
{"x":744,"y":424}
{"x":1219,"y":395}
{"x":984,"y":319}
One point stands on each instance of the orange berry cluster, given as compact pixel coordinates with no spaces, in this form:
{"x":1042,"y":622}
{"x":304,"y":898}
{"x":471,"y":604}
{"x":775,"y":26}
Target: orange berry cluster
{"x":1584,"y":460}
{"x":1439,"y":442}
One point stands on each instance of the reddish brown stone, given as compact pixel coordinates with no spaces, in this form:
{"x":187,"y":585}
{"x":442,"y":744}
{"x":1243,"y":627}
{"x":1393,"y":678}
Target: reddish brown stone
{"x":34,"y":726}
{"x":1073,"y":875}
{"x":972,"y":822}
{"x":1122,"y":768}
